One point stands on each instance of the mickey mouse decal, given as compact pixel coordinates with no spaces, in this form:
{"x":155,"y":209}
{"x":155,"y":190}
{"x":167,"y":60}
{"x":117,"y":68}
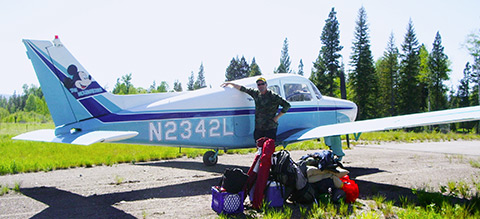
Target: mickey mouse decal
{"x":79,"y":79}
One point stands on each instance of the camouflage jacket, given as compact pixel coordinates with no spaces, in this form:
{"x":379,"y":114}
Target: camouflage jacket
{"x":266,"y":107}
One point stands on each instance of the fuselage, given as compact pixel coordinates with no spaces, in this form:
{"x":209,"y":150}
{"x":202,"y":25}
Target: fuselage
{"x":216,"y":117}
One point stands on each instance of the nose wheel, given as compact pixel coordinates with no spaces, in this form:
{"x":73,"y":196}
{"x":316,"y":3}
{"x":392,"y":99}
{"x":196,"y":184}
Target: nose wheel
{"x":210,"y":158}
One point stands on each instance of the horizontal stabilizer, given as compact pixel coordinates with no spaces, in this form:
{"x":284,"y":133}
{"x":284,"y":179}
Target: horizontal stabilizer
{"x":388,"y":123}
{"x":81,"y":138}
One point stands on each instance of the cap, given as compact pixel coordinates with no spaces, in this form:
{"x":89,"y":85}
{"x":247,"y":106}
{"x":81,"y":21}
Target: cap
{"x":261,"y":79}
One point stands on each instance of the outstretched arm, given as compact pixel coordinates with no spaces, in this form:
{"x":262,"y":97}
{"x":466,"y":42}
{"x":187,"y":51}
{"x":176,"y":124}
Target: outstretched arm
{"x":236,"y":86}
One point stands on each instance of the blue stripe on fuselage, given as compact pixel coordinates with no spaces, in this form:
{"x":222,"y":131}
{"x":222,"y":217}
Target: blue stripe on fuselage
{"x":113,"y":117}
{"x":177,"y":115}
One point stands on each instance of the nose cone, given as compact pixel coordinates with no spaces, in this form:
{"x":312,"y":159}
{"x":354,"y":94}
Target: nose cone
{"x":346,"y":111}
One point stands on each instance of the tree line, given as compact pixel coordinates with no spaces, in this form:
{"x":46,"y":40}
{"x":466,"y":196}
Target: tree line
{"x":27,"y":107}
{"x":402,"y":81}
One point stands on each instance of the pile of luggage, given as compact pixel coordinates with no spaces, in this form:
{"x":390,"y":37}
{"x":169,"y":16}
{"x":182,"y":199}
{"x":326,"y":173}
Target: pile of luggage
{"x":275,"y":178}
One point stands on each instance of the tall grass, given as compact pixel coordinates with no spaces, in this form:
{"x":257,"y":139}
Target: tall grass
{"x":28,"y":156}
{"x":19,"y":128}
{"x":402,"y":136}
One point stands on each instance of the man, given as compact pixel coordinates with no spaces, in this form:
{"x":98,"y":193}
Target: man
{"x":266,"y":107}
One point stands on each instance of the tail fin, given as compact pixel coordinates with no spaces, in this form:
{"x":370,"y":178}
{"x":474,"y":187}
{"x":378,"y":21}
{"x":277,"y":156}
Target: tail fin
{"x":67,"y":86}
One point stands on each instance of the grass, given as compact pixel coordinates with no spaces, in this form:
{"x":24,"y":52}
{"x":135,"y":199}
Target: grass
{"x":426,"y":204}
{"x":29,"y":156}
{"x":475,"y":163}
{"x":401,"y":136}
{"x":4,"y":189}
{"x":118,"y":180}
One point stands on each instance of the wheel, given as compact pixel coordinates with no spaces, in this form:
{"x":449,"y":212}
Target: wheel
{"x":209,"y":158}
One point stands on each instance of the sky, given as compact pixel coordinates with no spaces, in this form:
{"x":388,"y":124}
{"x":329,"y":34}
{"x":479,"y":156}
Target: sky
{"x":167,"y":40}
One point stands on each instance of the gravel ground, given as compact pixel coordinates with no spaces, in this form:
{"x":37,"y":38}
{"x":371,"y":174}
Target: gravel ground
{"x":180,"y":188}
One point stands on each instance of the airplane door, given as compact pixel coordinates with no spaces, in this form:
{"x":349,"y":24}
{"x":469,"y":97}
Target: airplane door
{"x":305,"y":105}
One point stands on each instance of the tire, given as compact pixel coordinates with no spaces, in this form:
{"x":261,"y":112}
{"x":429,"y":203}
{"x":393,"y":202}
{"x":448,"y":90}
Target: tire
{"x":207,"y":156}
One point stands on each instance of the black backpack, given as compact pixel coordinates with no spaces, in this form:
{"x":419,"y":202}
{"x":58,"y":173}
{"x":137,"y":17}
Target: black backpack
{"x":306,"y":195}
{"x":283,"y":170}
{"x":289,"y":174}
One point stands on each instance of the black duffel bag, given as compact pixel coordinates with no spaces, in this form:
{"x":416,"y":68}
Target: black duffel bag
{"x":233,"y":180}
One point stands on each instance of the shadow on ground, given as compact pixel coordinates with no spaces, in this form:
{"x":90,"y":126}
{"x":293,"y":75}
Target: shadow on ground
{"x":65,"y":204}
{"x":193,"y":165}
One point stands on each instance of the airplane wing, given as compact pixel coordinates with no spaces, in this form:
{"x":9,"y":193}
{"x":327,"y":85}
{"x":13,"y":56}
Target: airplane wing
{"x":82,"y":138}
{"x":381,"y":124}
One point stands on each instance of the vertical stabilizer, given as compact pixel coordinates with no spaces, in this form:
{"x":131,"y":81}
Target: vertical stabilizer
{"x":65,"y":83}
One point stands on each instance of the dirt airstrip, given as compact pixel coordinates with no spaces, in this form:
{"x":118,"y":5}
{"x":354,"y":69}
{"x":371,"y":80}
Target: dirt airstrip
{"x":180,"y":188}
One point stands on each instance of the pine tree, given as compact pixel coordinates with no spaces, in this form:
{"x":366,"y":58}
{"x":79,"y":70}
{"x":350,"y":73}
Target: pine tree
{"x":200,"y":82}
{"x":231,"y":72}
{"x":326,"y":67}
{"x":463,"y":97}
{"x":463,"y":92}
{"x":191,"y":82}
{"x":387,"y":71}
{"x":473,"y":46}
{"x":3,"y":102}
{"x":319,"y":76}
{"x":152,"y":88}
{"x":285,"y":62}
{"x":362,"y":78}
{"x":237,"y":69}
{"x":409,"y":86}
{"x":244,"y":68}
{"x":438,"y":66}
{"x":254,"y":69}
{"x":177,"y":86}
{"x":15,"y":103}
{"x":300,"y":68}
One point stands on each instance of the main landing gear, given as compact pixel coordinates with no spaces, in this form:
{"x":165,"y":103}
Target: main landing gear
{"x":210,"y":158}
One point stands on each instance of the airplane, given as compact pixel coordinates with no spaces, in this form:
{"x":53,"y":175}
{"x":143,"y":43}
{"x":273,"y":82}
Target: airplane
{"x":218,"y":118}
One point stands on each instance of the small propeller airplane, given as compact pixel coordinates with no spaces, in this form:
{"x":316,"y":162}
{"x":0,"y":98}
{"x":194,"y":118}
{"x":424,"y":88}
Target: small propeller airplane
{"x":218,"y":118}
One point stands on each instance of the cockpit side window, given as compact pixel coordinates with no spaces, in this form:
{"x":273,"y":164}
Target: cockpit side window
{"x":317,"y":92}
{"x":297,"y":92}
{"x":275,"y":89}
